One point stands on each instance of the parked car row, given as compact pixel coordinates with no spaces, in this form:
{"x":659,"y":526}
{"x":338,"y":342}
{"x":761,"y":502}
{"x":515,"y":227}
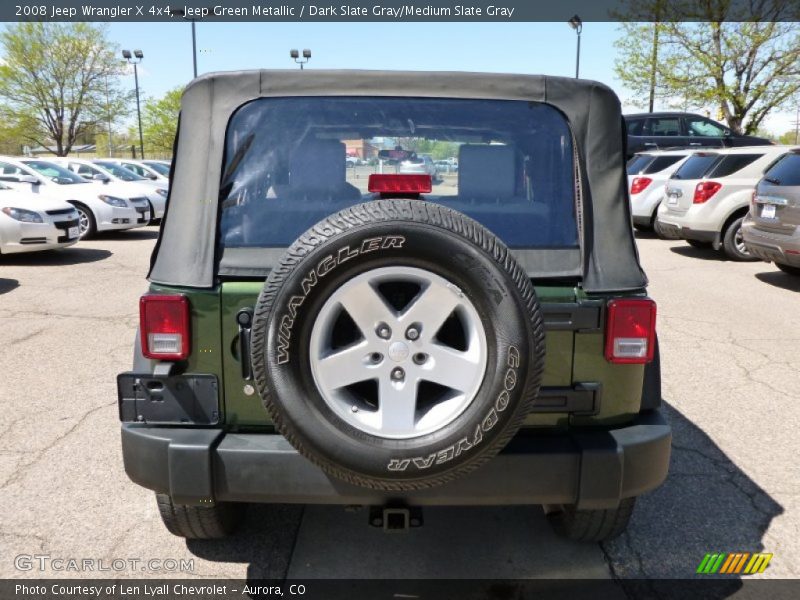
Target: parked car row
{"x":52,"y":203}
{"x":744,"y":201}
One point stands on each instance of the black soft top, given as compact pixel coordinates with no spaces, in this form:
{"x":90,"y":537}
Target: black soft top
{"x":186,"y":250}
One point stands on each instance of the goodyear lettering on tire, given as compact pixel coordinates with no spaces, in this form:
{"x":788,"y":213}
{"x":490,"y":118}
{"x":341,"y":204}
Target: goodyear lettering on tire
{"x":490,"y":419}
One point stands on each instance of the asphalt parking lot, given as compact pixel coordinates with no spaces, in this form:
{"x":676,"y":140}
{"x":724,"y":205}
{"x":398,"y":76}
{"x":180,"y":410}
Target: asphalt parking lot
{"x":731,"y":371}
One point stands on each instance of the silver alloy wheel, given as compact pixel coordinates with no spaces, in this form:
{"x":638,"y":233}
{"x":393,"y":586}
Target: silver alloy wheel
{"x":738,"y":241}
{"x":416,"y":380}
{"x":84,"y":222}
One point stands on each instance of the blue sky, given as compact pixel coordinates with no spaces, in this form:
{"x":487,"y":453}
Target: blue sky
{"x":547,"y":48}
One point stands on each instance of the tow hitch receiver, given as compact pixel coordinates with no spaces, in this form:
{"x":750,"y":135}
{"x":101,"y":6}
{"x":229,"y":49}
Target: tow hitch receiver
{"x":397,"y":519}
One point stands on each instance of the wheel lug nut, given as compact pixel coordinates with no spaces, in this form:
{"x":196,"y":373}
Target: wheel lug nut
{"x":398,"y":374}
{"x":376,"y":357}
{"x":412,"y":333}
{"x":383,"y":331}
{"x":420,"y":358}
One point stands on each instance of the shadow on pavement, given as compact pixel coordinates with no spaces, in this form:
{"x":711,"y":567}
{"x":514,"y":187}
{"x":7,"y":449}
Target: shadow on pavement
{"x":147,"y":233}
{"x":644,"y":235}
{"x":56,"y":258}
{"x":781,"y":280}
{"x":265,"y":539}
{"x":702,"y":253}
{"x":6,"y":285}
{"x":707,"y":505}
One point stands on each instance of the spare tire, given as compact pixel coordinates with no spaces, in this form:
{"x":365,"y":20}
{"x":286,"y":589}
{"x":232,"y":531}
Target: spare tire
{"x":398,"y":345}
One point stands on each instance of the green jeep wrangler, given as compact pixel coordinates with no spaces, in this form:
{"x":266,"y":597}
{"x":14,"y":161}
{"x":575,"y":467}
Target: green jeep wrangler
{"x":377,"y":332}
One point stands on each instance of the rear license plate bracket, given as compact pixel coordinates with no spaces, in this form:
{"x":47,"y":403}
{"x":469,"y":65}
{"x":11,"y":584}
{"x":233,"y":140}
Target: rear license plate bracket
{"x":168,"y":399}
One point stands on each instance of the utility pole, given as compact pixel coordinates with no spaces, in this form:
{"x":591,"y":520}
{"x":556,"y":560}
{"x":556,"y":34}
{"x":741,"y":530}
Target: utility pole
{"x":653,"y":64}
{"x":108,"y":117}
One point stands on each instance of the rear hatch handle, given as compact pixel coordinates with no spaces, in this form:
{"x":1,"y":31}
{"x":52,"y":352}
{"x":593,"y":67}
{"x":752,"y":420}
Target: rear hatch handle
{"x":244,"y":319}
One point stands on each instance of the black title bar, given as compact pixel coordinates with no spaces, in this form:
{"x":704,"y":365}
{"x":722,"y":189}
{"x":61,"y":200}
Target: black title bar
{"x":401,"y":10}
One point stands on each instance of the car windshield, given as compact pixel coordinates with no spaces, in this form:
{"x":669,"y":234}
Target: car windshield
{"x":119,"y":172}
{"x":695,"y":166}
{"x":159,"y":168}
{"x":285,"y":166}
{"x":54,"y":172}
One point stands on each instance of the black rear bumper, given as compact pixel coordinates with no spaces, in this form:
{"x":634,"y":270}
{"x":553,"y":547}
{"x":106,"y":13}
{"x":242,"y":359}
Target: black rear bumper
{"x":593,"y":469}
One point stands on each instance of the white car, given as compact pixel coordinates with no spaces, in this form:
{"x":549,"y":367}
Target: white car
{"x":29,"y":222}
{"x":709,"y":195}
{"x":140,"y":168}
{"x":100,"y":207}
{"x":421,"y":164}
{"x":647,"y":174}
{"x":107,"y":172}
{"x":160,"y":166}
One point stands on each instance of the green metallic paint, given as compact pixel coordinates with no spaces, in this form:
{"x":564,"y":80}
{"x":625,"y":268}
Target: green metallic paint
{"x":207,"y":347}
{"x":571,"y":357}
{"x":242,"y":410}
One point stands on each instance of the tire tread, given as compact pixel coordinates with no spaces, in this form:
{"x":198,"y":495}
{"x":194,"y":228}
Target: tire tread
{"x":593,"y":525}
{"x":416,"y":211}
{"x":198,"y":522}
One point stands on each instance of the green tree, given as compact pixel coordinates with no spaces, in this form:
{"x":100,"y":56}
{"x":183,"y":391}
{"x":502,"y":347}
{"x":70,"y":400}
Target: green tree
{"x":789,"y":138}
{"x":160,"y":122}
{"x":744,"y":68}
{"x":58,"y":80}
{"x":14,"y":133}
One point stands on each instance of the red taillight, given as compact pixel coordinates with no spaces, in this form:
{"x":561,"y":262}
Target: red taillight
{"x":399,"y":184}
{"x":631,"y":331}
{"x":164,"y":326}
{"x":639,"y":184}
{"x":704,"y":191}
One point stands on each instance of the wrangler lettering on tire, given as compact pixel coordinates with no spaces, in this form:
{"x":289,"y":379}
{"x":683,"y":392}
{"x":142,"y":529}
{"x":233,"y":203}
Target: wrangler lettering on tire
{"x":398,"y":345}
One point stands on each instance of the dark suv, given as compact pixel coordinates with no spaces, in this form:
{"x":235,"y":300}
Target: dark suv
{"x":660,"y":130}
{"x":365,"y":336}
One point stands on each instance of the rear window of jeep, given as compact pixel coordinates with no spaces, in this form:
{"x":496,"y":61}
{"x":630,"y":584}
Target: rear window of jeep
{"x":290,"y":162}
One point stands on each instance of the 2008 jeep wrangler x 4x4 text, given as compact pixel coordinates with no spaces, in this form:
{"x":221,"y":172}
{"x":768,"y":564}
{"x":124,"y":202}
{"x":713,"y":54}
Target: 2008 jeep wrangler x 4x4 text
{"x":325,"y":331}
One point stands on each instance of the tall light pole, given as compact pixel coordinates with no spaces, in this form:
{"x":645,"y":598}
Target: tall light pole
{"x":296,"y":56}
{"x":179,"y":12}
{"x":194,"y":48}
{"x":576,"y":23}
{"x":126,"y":54}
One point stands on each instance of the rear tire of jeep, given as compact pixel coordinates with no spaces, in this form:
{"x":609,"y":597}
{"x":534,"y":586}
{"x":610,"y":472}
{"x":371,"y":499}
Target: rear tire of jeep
{"x":436,"y":335}
{"x":199,"y":522}
{"x":732,"y":243}
{"x":788,"y":269}
{"x":592,"y":525}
